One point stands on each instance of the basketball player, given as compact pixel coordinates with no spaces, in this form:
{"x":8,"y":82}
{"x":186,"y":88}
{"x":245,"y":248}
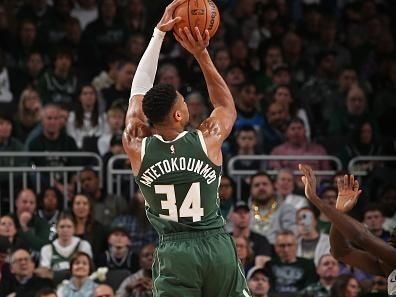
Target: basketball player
{"x":374,"y":255}
{"x":178,"y":173}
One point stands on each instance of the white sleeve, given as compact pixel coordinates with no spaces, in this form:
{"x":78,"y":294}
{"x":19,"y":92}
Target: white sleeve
{"x":147,"y":68}
{"x":85,"y":247}
{"x":45,"y":256}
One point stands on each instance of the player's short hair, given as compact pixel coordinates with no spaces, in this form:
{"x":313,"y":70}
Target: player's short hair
{"x":158,"y":102}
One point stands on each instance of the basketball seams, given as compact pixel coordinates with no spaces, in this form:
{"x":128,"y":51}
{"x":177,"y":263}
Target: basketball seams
{"x":206,"y":16}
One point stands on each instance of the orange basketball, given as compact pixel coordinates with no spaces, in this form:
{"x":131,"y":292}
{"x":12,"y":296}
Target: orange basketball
{"x":198,"y":13}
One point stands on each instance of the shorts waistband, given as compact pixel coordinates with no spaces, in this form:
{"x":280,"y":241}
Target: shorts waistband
{"x":190,"y":235}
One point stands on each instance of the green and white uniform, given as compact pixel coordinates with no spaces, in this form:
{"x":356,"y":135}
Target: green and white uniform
{"x":195,"y":256}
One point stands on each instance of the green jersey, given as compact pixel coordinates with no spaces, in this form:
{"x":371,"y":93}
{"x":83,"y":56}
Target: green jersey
{"x":179,"y":184}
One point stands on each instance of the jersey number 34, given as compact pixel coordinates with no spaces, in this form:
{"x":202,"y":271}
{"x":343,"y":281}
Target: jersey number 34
{"x":191,"y":206}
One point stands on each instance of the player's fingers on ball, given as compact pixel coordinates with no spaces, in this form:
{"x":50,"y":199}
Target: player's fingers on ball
{"x":207,"y":36}
{"x":198,"y":34}
{"x":189,"y":35}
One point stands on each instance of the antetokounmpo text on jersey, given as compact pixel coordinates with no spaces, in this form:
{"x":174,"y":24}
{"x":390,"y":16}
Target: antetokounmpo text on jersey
{"x":178,"y":164}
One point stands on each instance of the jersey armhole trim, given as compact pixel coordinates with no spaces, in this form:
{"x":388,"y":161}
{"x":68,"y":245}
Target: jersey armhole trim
{"x":143,"y":148}
{"x":202,"y":140}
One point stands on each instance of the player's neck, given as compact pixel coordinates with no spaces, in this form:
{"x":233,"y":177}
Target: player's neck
{"x":168,"y":133}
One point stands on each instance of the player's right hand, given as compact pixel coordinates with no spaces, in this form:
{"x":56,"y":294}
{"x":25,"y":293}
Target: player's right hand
{"x":196,"y":45}
{"x":348,"y":193}
{"x":168,"y":21}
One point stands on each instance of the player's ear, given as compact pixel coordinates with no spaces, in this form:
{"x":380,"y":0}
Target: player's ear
{"x":178,"y":115}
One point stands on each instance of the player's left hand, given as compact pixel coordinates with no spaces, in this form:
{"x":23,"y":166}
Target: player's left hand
{"x":348,"y":193}
{"x":168,"y":21}
{"x":195,"y":45}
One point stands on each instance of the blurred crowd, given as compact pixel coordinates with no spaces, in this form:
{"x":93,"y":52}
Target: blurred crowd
{"x":309,"y":77}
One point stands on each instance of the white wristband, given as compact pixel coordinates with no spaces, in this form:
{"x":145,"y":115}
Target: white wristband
{"x":147,"y":68}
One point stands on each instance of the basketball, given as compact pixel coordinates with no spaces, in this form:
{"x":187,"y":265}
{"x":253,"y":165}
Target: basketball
{"x":198,"y":13}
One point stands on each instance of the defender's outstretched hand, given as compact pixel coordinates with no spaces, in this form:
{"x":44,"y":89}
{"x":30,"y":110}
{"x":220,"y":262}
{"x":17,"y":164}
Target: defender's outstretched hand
{"x":309,"y":181}
{"x":168,"y":21}
{"x":348,"y":193}
{"x":194,"y":45}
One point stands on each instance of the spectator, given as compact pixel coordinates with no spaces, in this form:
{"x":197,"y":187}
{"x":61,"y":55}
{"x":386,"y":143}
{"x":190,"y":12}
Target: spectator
{"x":8,"y":230}
{"x":246,"y":144}
{"x":81,"y":266}
{"x":119,"y":92}
{"x":50,"y":205}
{"x":272,"y":56}
{"x":86,"y":11}
{"x":135,"y":46}
{"x":327,"y":270}
{"x":345,"y":286}
{"x":222,"y":60}
{"x":227,"y":196}
{"x":310,"y":244}
{"x":55,"y":30}
{"x":379,"y":287}
{"x":283,"y":95}
{"x":56,"y":256}
{"x":115,"y":122}
{"x":85,"y":120}
{"x":107,"y":77}
{"x":241,"y":220}
{"x":274,"y":126}
{"x":289,"y":274}
{"x":235,"y":77}
{"x":104,"y":35}
{"x":197,"y":110}
{"x":29,"y":114}
{"x":140,"y":283}
{"x":24,"y":283}
{"x":374,"y":220}
{"x":329,"y":195}
{"x":344,"y":121}
{"x":246,"y":105}
{"x":244,"y":252}
{"x":284,"y":185}
{"x":52,"y":138}
{"x":72,"y":40}
{"x":258,"y":282}
{"x":103,"y":290}
{"x":135,"y":220}
{"x":318,"y":93}
{"x":106,"y":207}
{"x":136,"y":16}
{"x":281,"y":75}
{"x":8,"y":143}
{"x":28,"y":76}
{"x":267,"y":215}
{"x":363,"y":141}
{"x":27,"y":42}
{"x":292,"y":46}
{"x":59,"y":85}
{"x":33,"y":230}
{"x":297,"y":144}
{"x":169,"y":74}
{"x":85,"y":224}
{"x":119,"y":254}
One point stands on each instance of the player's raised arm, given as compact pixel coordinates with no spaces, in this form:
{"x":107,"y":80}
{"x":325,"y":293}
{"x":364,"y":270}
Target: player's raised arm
{"x":351,"y":229}
{"x":136,"y":125}
{"x":219,"y":125}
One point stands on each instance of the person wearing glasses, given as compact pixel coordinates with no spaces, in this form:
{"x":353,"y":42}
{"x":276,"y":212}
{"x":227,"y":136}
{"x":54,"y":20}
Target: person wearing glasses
{"x":24,"y":283}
